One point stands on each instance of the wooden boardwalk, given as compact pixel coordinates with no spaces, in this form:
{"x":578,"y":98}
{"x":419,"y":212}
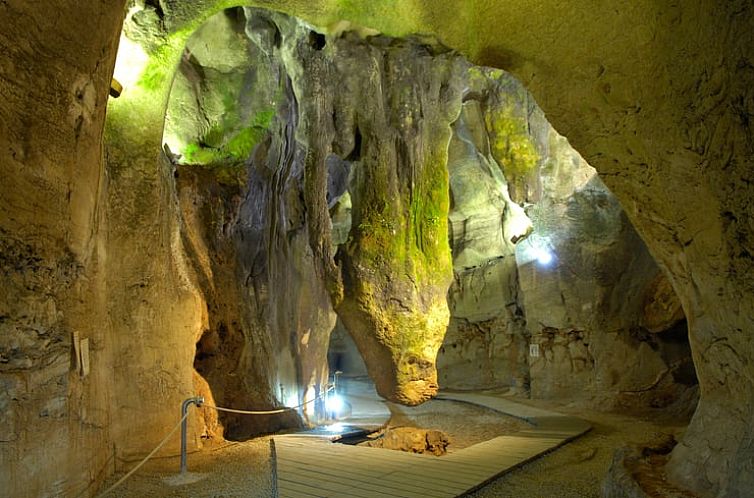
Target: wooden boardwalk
{"x":309,"y":467}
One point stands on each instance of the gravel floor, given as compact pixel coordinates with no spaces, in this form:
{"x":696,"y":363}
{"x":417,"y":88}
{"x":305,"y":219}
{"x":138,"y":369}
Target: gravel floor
{"x":232,"y":470}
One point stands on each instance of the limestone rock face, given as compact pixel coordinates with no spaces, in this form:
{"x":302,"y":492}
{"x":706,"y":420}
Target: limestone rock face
{"x":398,"y":100}
{"x":662,"y":309}
{"x":358,"y":148}
{"x":485,"y":343}
{"x":567,"y":274}
{"x":584,"y":307}
{"x":224,"y":94}
{"x":657,"y":96}
{"x":55,"y":425}
{"x":245,"y":230}
{"x":637,"y":471}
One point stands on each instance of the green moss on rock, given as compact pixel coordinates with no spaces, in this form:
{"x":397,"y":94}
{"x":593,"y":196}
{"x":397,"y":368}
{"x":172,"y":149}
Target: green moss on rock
{"x":510,"y":143}
{"x":237,"y":147}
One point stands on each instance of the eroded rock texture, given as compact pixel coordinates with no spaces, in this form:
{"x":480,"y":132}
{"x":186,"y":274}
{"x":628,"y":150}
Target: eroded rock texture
{"x":412,"y":440}
{"x":485,"y":345}
{"x":398,"y":100}
{"x":56,"y":427}
{"x":584,"y":309}
{"x":567,"y":274}
{"x":245,"y":231}
{"x":657,"y":96}
{"x":350,"y":156}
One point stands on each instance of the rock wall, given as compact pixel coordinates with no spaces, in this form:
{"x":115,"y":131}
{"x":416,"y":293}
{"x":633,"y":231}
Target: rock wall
{"x":567,"y":274}
{"x":650,"y":94}
{"x":585,"y":308}
{"x":655,"y":96}
{"x":246,"y":227}
{"x":485,"y":345}
{"x":353,"y":124}
{"x":56,"y":436}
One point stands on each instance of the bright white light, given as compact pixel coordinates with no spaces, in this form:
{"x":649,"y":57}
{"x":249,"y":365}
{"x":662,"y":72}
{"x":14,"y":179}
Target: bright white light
{"x":544,"y":257}
{"x":516,"y":225}
{"x":338,"y":427}
{"x":130,"y":61}
{"x":536,"y":249}
{"x":334,"y":404}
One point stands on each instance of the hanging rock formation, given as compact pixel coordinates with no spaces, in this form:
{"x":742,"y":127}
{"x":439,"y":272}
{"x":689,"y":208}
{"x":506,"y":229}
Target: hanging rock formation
{"x":399,"y":100}
{"x":365,"y":122}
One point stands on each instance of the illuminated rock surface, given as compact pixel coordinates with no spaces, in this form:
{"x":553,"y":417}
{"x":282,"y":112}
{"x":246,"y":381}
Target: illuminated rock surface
{"x":658,"y":98}
{"x":567,"y":274}
{"x":413,"y":440}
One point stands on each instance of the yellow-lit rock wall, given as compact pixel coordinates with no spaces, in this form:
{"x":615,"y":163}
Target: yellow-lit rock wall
{"x":55,"y":425}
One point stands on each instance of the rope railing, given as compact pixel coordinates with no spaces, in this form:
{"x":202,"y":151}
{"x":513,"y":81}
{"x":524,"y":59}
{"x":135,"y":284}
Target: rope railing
{"x":265,"y":412}
{"x":150,"y":455}
{"x":199,"y":402}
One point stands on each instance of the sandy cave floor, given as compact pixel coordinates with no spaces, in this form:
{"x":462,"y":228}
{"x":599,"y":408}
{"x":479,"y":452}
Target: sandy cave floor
{"x":575,"y":470}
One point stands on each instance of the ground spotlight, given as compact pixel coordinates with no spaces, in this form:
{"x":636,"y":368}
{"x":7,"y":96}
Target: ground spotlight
{"x":335,"y":404}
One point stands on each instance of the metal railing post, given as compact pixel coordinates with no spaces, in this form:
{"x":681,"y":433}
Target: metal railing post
{"x":184,"y":428}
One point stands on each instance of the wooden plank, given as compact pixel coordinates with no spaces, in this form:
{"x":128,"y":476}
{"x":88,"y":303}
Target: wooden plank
{"x":370,"y":475}
{"x":427,"y":484}
{"x":337,"y":465}
{"x":334,"y":470}
{"x":392,"y":461}
{"x":356,"y":453}
{"x":445,"y":487}
{"x":314,"y":456}
{"x":417,"y":485}
{"x":289,"y":493}
{"x":321,"y":487}
{"x":452,"y":471}
{"x":334,"y":476}
{"x":288,"y":488}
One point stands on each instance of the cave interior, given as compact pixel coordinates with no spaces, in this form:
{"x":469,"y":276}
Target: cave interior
{"x":247,"y":202}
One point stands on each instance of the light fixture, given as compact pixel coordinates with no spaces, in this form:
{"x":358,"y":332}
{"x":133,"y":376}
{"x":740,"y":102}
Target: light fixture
{"x":544,"y":257}
{"x":115,"y":88}
{"x":334,"y":405}
{"x":537,"y":249}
